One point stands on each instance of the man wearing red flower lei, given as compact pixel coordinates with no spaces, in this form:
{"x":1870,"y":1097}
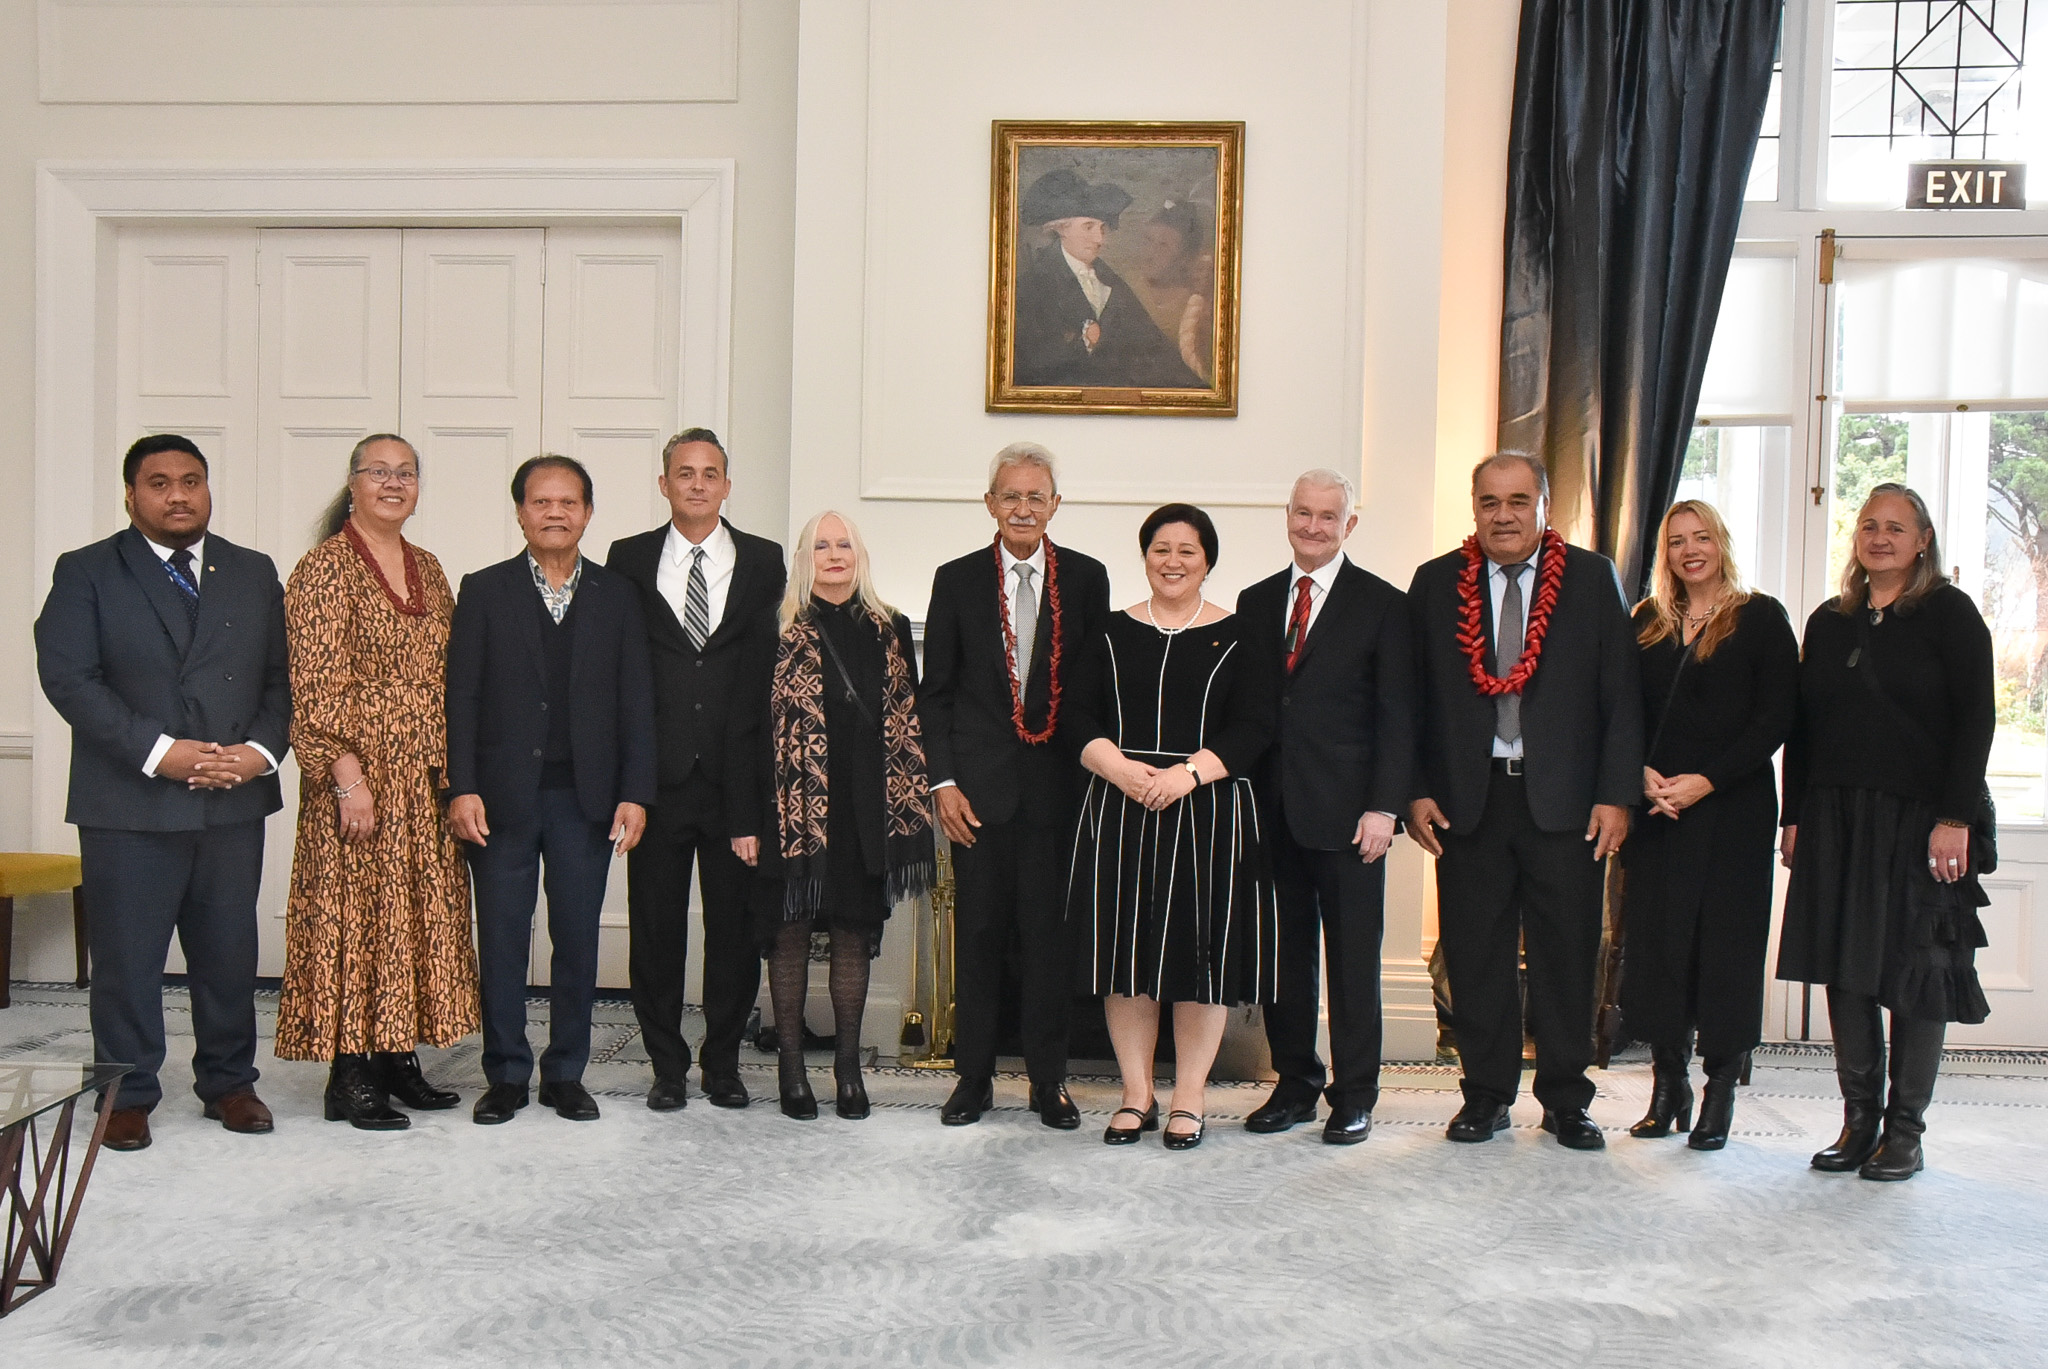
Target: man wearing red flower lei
{"x":1531,"y":753}
{"x":1008,"y":631}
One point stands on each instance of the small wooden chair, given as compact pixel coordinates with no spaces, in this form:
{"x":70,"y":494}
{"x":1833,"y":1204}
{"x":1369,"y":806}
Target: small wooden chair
{"x":23,"y":873}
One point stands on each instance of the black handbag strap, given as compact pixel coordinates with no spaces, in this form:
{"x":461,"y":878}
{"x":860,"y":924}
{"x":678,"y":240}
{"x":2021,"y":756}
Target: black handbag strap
{"x":846,"y":676}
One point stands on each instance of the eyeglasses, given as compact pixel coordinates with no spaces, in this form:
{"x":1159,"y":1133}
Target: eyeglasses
{"x":1009,"y":499}
{"x":384,"y":475}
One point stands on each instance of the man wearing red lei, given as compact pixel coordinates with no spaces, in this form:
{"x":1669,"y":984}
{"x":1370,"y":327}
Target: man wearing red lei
{"x":1010,"y":629}
{"x":1530,"y":758}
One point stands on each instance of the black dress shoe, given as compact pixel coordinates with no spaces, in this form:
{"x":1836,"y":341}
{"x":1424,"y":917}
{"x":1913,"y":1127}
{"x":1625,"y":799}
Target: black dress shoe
{"x":852,"y":1102}
{"x":1148,"y":1120}
{"x":498,"y":1104}
{"x":726,"y":1091}
{"x":1279,"y":1112}
{"x":1054,"y":1108}
{"x":569,"y":1099}
{"x":1182,"y":1140}
{"x":1574,"y":1129}
{"x":668,"y":1095}
{"x":970,"y":1098}
{"x":354,"y":1096}
{"x":1348,"y":1125}
{"x":798,"y":1102}
{"x":400,"y":1075}
{"x":1478,"y":1121}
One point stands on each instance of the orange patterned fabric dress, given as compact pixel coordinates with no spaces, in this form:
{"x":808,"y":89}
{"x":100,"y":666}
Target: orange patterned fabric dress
{"x":378,"y":952}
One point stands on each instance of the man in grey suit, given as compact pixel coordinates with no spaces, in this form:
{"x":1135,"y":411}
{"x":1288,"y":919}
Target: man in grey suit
{"x":163,"y":647}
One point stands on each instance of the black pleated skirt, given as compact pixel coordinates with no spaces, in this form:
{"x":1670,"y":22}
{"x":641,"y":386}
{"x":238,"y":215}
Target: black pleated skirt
{"x":1865,"y":914}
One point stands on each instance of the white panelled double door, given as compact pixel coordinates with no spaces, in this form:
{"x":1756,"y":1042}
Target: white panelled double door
{"x":276,"y":350}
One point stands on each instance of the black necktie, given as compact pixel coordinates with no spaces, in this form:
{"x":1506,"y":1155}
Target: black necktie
{"x":181,"y":575}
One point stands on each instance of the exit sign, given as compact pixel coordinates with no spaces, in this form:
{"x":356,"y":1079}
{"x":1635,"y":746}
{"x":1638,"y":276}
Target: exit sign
{"x":1966,"y":185}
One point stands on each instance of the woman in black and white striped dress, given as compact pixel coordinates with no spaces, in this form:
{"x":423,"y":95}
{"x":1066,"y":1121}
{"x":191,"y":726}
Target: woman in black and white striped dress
{"x":1171,"y":893}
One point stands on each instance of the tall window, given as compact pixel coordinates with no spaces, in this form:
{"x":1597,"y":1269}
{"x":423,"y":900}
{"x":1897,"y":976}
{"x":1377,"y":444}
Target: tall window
{"x":1918,"y":80}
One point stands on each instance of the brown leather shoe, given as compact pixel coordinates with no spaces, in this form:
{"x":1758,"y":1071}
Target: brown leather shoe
{"x":127,"y":1129}
{"x":242,"y":1112}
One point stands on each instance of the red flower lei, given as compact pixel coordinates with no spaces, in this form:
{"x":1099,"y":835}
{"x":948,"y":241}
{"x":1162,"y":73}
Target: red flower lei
{"x":1472,"y":631}
{"x":1052,"y":589}
{"x":414,"y":604}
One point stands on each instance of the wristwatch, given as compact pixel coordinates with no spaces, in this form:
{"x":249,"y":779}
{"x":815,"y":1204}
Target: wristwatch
{"x":1189,"y":766}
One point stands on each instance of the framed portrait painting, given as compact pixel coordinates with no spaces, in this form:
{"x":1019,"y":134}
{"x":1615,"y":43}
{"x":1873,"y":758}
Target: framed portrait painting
{"x":1113,"y":267}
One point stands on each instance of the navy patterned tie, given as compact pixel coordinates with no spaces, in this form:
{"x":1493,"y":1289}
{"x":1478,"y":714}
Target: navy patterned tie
{"x":180,"y":564}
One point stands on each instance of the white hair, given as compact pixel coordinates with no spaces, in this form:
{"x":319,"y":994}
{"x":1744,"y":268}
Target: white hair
{"x":803,"y":574}
{"x":1323,"y":478}
{"x":1023,"y":454}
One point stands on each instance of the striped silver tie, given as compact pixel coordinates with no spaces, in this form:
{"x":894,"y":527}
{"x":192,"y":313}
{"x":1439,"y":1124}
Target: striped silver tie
{"x":697,"y":602}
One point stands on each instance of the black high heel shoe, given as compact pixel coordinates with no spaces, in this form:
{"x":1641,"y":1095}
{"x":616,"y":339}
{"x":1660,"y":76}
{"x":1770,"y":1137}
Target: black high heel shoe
{"x":1670,"y":1096}
{"x":1183,"y":1140}
{"x":402,"y":1079}
{"x":852,"y":1103}
{"x":1148,"y":1120}
{"x":353,"y":1096}
{"x":798,"y":1102}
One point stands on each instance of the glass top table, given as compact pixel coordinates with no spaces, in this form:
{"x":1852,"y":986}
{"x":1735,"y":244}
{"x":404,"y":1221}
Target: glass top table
{"x":29,"y":1088}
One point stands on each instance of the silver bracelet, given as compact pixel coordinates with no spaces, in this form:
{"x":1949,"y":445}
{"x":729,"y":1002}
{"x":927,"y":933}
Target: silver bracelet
{"x":341,"y":793}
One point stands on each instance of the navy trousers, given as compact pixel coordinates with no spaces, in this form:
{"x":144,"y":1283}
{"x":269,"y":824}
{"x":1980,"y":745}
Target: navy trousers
{"x":1332,"y":906}
{"x":506,"y":873}
{"x":139,"y":888}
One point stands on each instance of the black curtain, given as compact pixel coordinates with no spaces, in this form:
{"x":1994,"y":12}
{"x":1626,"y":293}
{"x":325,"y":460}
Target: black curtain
{"x":1634,"y":124}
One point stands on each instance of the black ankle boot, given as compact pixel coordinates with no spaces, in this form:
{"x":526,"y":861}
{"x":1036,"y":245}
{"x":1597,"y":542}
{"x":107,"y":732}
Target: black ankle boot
{"x":1859,"y":1067}
{"x":1916,"y":1060}
{"x":354,"y":1096}
{"x":852,"y":1103}
{"x":1717,"y":1107}
{"x":399,"y":1075}
{"x":798,"y":1102}
{"x":1670,"y":1095}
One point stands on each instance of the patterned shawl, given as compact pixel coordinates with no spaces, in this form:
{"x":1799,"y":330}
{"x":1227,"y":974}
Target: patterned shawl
{"x":797,"y":718}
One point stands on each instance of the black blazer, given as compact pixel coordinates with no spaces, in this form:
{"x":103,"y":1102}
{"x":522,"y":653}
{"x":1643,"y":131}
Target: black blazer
{"x":121,"y":662}
{"x":1582,"y":711}
{"x":497,"y":694}
{"x":1346,"y":740}
{"x":964,"y":703}
{"x":1051,"y":312}
{"x":707,"y":704}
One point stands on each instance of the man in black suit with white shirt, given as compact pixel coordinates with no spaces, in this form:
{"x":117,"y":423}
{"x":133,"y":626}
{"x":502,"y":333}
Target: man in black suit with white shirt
{"x":1329,"y":791}
{"x":163,"y":647}
{"x":1530,"y":759}
{"x":710,"y":593}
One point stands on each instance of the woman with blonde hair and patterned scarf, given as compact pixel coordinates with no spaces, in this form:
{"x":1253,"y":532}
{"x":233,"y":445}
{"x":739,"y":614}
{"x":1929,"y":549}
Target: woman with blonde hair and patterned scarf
{"x":850,"y":820}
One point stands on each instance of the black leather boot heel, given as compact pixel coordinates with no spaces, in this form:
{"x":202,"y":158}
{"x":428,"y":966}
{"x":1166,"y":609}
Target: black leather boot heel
{"x":1670,"y":1095}
{"x":400,"y":1076}
{"x":1717,"y":1108}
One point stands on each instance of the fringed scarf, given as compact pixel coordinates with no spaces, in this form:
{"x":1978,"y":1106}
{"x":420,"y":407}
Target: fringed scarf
{"x":797,"y":717}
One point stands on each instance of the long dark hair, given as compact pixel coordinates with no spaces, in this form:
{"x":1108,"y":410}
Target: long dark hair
{"x":339,"y":508}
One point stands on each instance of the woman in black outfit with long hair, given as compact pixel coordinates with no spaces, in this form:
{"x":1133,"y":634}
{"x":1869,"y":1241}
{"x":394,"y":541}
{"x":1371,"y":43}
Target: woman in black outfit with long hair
{"x":1720,"y":685}
{"x":1884,"y":784}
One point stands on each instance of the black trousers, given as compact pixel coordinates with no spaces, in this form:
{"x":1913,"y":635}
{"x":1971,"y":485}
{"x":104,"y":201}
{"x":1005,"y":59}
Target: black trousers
{"x":685,"y":828}
{"x":506,"y":873}
{"x":1332,"y":906}
{"x":1507,"y":883}
{"x":142,"y":886}
{"x":1010,"y":900}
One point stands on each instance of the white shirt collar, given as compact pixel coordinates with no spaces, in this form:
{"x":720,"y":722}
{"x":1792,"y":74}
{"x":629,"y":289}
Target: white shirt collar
{"x":1322,"y":579}
{"x":1036,"y":560}
{"x":1076,"y":265}
{"x":1499,"y":568}
{"x":718,"y":547}
{"x":163,"y":553}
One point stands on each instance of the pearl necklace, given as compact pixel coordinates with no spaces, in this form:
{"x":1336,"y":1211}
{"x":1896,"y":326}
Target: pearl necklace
{"x":1201,"y":603}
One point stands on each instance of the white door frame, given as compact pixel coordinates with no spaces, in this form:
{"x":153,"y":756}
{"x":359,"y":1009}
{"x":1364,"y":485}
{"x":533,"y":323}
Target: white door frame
{"x":80,"y":204}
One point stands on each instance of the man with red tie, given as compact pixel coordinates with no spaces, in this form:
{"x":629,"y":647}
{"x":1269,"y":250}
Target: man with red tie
{"x":1328,"y":792}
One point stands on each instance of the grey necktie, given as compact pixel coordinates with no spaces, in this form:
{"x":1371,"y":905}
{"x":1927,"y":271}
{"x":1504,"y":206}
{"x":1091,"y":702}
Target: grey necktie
{"x":697,"y":602}
{"x":1024,"y":617}
{"x":1507,"y":650}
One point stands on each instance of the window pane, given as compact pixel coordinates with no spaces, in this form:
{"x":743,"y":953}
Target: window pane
{"x":1726,"y":468}
{"x":2014,"y":596}
{"x":1763,"y":167}
{"x":1749,"y":367}
{"x":1971,"y":329}
{"x":1915,"y":81}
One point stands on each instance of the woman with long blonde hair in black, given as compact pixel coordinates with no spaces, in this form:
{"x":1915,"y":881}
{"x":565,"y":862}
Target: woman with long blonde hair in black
{"x":1720,"y":683}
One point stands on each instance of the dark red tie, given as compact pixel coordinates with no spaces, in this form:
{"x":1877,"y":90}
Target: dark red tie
{"x":1297,"y":622}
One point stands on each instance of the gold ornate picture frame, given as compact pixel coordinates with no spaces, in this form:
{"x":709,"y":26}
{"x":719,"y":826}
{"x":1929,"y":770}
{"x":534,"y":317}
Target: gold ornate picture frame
{"x":1113,"y":267}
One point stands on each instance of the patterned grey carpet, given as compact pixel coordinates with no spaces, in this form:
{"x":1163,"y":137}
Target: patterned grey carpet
{"x":743,"y":1239}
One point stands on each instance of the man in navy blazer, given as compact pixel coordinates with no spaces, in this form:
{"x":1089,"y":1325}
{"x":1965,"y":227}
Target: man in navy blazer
{"x":163,"y":647}
{"x":1329,"y":791}
{"x":550,"y":762}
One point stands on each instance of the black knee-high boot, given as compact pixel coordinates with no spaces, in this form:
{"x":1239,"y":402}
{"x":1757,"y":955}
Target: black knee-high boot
{"x":1717,"y":1106}
{"x":1859,"y":1066}
{"x":1916,"y":1060}
{"x":789,"y":973}
{"x":1670,"y":1092}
